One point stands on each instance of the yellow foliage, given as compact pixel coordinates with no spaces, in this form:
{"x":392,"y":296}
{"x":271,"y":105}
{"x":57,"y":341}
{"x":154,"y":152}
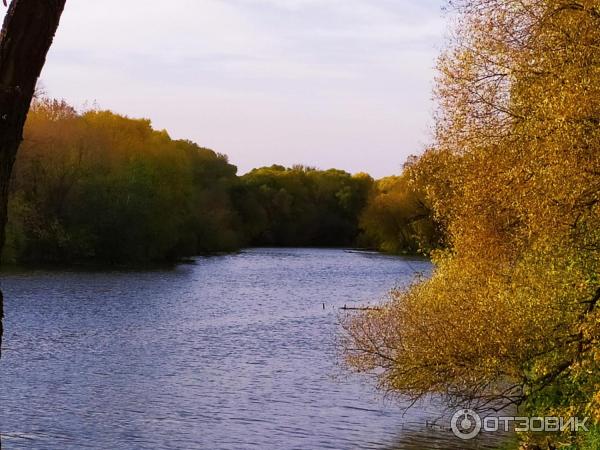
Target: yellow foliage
{"x":510,"y":315}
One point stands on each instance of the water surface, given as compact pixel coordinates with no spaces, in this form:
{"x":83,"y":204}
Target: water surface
{"x":230,"y":352}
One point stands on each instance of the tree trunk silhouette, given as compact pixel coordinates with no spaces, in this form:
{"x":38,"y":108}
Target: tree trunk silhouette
{"x":27,"y":33}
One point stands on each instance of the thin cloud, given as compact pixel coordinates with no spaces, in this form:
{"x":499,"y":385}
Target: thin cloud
{"x":320,"y":82}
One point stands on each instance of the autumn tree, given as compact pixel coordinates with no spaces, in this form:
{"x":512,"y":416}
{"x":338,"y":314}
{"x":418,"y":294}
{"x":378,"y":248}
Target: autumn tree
{"x":510,"y":315}
{"x":398,"y":217}
{"x":97,"y":187}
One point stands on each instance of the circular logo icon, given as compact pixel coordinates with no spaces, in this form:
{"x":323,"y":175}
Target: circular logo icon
{"x":466,"y":424}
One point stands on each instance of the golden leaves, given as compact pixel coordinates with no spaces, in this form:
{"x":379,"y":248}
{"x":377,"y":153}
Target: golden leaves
{"x":514,"y":177}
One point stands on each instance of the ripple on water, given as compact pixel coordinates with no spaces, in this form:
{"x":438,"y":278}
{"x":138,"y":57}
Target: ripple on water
{"x":232,"y":352}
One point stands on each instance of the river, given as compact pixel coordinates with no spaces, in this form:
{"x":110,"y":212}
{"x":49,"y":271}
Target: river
{"x":226,"y":352}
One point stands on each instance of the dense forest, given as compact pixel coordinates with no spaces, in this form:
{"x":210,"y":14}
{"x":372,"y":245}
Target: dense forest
{"x":510,"y":317}
{"x":98,"y":187}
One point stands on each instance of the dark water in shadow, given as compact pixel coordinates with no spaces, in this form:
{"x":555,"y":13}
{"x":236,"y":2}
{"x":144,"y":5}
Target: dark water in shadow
{"x":232,"y":352}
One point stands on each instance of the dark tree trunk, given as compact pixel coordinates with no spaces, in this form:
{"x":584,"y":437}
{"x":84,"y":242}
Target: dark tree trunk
{"x":27,"y":34}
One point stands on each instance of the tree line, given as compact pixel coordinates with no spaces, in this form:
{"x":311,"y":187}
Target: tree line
{"x":98,"y":187}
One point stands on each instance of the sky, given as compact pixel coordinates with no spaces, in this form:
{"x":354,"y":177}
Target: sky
{"x":325,"y":83}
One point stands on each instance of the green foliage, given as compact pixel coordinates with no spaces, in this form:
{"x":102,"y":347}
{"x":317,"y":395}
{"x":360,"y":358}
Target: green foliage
{"x":301,"y":206}
{"x":105,"y":188}
{"x":97,"y":187}
{"x":590,"y":440}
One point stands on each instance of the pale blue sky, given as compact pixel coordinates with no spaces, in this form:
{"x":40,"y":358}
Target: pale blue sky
{"x":329,"y":83}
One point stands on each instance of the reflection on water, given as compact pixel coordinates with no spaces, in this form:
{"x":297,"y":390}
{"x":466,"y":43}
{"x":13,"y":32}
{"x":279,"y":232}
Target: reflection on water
{"x":230,"y":352}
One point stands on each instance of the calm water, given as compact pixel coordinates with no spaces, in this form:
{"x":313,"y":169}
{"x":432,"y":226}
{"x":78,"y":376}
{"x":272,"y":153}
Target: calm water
{"x":230,"y":352}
